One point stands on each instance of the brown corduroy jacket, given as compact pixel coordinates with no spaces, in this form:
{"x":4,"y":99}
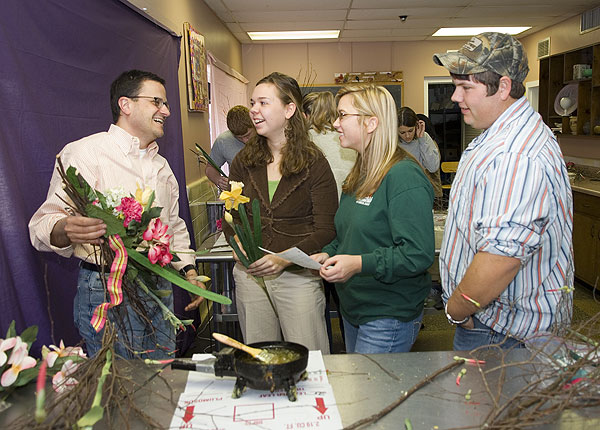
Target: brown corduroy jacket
{"x":301,"y":213}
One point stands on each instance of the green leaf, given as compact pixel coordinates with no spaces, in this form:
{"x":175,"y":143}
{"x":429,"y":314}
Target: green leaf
{"x":96,"y":412}
{"x":150,"y":201}
{"x":248,"y":232}
{"x":29,"y":335}
{"x":102,"y":199}
{"x":73,"y":179}
{"x":176,"y":279}
{"x":256,"y":222}
{"x":238,"y":252}
{"x":113,"y":224}
{"x":246,"y":244}
{"x":11,"y":332}
{"x":210,"y":160}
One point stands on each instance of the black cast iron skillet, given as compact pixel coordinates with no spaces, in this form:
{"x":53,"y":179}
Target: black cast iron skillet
{"x":251,"y":372}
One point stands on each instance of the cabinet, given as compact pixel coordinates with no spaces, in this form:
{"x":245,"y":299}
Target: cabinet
{"x":556,"y":71}
{"x":586,"y":238}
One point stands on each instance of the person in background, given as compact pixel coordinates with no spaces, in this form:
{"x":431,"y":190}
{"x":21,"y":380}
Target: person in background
{"x":125,"y":156}
{"x":384,"y":229}
{"x":319,"y":108}
{"x":293,"y":182}
{"x":417,"y":142}
{"x":229,"y":143}
{"x":506,"y":255}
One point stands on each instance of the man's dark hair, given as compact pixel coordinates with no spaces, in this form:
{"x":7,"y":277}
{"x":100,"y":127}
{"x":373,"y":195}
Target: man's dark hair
{"x":128,"y":84}
{"x":492,"y":81}
{"x":238,"y":120}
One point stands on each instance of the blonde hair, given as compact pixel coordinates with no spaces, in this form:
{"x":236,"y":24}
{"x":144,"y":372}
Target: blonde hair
{"x":319,"y":107}
{"x":382,"y":152}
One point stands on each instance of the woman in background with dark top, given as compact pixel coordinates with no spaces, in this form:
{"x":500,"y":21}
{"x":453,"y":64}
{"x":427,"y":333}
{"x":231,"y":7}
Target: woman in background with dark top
{"x":384,"y":229}
{"x":293,"y":182}
{"x":417,"y":142}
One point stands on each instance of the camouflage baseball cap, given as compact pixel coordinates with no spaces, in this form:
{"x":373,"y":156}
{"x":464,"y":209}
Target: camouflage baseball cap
{"x":498,"y":52}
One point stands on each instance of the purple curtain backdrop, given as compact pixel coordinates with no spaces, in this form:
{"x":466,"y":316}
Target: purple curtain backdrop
{"x":57,"y":60}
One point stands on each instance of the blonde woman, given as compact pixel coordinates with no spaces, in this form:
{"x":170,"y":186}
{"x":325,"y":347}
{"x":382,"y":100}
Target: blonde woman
{"x":319,"y":109}
{"x":293,"y":182}
{"x":384,"y":229}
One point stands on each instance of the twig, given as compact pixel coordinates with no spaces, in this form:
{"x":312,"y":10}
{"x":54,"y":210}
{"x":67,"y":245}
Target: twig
{"x":376,"y":417}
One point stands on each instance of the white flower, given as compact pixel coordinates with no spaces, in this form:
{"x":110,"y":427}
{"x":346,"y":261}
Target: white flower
{"x":114,"y":196}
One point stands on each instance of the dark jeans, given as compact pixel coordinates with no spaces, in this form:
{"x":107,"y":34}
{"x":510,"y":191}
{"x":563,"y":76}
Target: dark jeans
{"x":331,"y":293}
{"x":134,"y":333}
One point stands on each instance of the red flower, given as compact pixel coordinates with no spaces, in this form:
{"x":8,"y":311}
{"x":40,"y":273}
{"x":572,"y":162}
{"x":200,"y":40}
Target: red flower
{"x":219,"y":224}
{"x":131,"y":209}
{"x":159,"y":252}
{"x":158,"y":240}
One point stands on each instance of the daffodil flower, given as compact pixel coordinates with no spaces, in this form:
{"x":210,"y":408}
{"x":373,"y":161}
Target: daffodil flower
{"x":234,"y":197}
{"x":19,"y":360}
{"x":228,"y":219}
{"x":54,"y":352}
{"x":143,"y":196}
{"x":5,"y":345}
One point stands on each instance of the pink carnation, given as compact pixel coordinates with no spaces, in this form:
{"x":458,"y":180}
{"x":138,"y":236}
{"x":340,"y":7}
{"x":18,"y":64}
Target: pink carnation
{"x":131,"y":209}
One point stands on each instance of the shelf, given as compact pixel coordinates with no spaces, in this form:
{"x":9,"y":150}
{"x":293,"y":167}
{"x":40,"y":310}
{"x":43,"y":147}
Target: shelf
{"x":555,"y":72}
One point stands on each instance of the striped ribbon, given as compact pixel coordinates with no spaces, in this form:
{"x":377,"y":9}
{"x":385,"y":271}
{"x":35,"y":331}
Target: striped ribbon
{"x":115,"y":280}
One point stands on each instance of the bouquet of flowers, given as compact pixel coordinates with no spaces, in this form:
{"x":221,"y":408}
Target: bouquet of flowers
{"x":250,"y":237}
{"x":18,"y":368}
{"x":138,"y":245}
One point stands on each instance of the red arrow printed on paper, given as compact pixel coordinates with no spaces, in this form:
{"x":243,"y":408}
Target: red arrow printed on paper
{"x":320,"y":405}
{"x":189,"y":414}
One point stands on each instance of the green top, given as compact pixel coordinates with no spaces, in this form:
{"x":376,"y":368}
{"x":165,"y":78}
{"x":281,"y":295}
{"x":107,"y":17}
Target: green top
{"x":272,"y":188}
{"x":393,"y":232}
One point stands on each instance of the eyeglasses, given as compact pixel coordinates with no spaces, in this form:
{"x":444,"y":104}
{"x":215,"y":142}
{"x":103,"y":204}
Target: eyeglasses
{"x":342,"y":115}
{"x":156,"y":101}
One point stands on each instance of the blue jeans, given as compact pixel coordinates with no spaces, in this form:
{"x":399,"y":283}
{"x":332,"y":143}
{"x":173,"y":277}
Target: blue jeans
{"x":381,"y":336}
{"x":134,"y":333}
{"x":482,"y":335}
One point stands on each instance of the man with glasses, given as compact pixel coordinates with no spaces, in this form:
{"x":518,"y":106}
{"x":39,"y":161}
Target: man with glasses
{"x":124,"y":157}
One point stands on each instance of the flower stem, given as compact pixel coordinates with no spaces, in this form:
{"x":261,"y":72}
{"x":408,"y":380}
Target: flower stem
{"x":167,"y":314}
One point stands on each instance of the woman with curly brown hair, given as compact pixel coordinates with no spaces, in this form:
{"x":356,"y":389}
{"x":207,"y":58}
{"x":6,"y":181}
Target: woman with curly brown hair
{"x":296,"y":189}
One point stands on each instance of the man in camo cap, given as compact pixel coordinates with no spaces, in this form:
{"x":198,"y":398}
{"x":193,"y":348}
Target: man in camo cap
{"x":506,"y":261}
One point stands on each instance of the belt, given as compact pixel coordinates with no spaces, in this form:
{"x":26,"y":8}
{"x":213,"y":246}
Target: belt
{"x":94,"y":267}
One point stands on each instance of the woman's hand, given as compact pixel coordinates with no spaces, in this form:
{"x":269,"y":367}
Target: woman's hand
{"x":319,"y":258}
{"x":340,"y":268}
{"x":195,"y":301}
{"x":420,"y":129}
{"x":268,"y":265}
{"x":239,"y":244}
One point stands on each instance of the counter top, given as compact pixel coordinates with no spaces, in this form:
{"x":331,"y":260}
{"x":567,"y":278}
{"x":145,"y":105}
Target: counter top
{"x":586,"y":186}
{"x":365,"y":384}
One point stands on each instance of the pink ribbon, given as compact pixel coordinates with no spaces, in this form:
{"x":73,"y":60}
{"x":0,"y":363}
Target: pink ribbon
{"x":115,"y":280}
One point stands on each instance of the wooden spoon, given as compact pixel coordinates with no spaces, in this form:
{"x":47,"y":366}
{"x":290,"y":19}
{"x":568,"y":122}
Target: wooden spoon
{"x":260,"y":354}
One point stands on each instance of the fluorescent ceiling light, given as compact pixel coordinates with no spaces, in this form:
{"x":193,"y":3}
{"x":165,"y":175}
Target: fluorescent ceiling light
{"x":472,"y":31}
{"x":293,"y":35}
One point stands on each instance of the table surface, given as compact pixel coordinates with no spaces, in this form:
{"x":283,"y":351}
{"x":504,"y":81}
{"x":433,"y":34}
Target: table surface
{"x":365,"y":384}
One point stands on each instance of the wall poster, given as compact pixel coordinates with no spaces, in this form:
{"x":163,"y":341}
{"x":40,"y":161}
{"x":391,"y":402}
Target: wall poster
{"x":196,"y":72}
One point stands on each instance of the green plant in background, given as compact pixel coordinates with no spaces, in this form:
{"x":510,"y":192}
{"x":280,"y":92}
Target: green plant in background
{"x":250,"y":237}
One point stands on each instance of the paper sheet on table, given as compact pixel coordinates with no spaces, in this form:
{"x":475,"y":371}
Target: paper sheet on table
{"x":296,"y":256}
{"x":207,"y":403}
{"x":221,"y":245}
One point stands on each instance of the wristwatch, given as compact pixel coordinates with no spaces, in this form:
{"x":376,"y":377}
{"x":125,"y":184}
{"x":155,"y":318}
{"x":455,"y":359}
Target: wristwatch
{"x":187,"y":268}
{"x":452,"y":320}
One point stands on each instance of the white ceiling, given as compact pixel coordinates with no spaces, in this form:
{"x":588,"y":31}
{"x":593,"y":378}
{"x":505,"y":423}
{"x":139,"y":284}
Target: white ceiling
{"x":378,"y":20}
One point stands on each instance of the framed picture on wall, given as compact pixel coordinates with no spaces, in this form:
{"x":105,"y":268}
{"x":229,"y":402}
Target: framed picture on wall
{"x":196,"y":73}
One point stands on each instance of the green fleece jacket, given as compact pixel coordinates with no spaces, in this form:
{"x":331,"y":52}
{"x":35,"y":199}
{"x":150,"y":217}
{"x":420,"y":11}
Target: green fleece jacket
{"x":393,"y":233}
